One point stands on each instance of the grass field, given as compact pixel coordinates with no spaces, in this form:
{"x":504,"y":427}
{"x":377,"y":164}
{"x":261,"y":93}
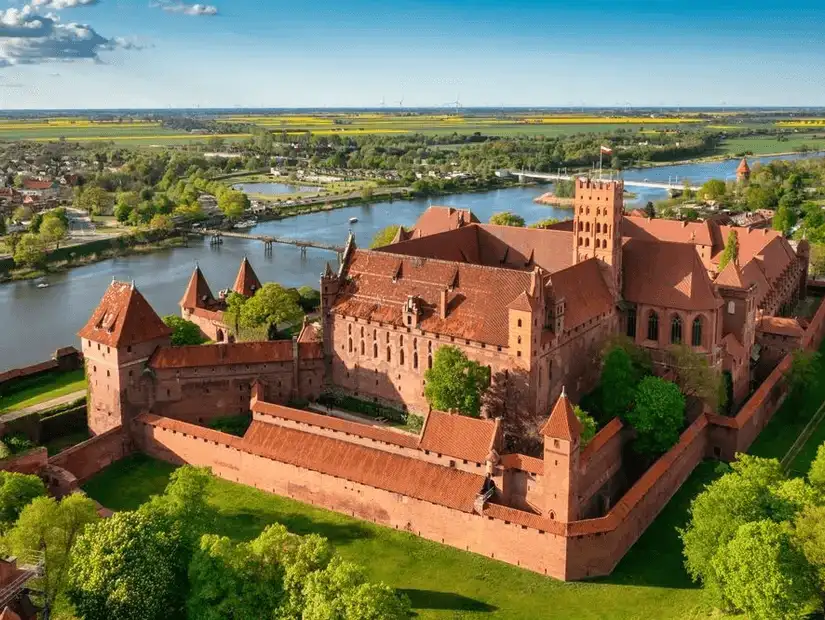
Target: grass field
{"x":34,"y":390}
{"x":763,"y":145}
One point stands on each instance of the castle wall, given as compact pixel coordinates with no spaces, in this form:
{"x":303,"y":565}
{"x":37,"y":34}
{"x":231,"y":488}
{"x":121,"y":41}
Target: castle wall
{"x":210,"y":323}
{"x":600,"y":462}
{"x":88,"y":458}
{"x":29,"y":462}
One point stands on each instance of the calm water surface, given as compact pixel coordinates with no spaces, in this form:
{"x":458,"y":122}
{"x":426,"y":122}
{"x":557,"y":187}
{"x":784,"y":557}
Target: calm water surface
{"x":38,"y":321}
{"x":273,"y":189}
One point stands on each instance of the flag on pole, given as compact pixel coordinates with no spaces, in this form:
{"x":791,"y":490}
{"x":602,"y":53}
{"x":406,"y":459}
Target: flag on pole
{"x":606,"y":149}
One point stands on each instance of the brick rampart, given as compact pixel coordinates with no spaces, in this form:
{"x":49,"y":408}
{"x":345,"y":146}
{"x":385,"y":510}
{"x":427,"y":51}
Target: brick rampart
{"x":88,"y":458}
{"x":65,"y":359}
{"x":27,"y":463}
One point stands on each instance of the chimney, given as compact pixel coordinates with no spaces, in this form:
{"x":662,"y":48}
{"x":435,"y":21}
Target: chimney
{"x":442,"y":304}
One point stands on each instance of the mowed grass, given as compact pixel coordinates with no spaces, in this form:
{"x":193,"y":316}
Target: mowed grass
{"x":442,"y":582}
{"x":764,"y":145}
{"x":35,"y":390}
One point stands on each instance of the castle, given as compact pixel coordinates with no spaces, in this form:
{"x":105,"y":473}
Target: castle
{"x":535,"y":306}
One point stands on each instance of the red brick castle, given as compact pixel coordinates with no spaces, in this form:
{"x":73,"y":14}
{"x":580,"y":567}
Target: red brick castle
{"x":536,"y":306}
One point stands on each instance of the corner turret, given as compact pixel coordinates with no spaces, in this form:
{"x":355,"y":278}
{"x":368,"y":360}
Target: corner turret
{"x":561,"y":432}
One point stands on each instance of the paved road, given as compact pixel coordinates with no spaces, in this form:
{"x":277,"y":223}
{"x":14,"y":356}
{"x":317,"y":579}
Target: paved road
{"x":48,"y":404}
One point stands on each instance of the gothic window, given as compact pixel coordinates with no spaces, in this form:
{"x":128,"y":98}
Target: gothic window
{"x":580,"y":240}
{"x":587,"y":227}
{"x":389,"y":355}
{"x":388,"y":337}
{"x":374,"y":334}
{"x":696,"y":339}
{"x":429,"y":346}
{"x":631,"y":323}
{"x":401,"y":356}
{"x":519,"y":322}
{"x":350,"y":345}
{"x":587,"y":243}
{"x":598,"y":228}
{"x":415,"y":344}
{"x":349,"y":329}
{"x":362,"y":347}
{"x":415,"y":360}
{"x":519,"y":339}
{"x":430,"y":362}
{"x":362,"y":331}
{"x":581,"y":226}
{"x":653,"y":326}
{"x":375,"y":350}
{"x":401,"y":341}
{"x":676,"y":329}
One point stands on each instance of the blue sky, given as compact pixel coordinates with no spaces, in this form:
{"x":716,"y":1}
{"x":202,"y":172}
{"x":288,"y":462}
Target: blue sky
{"x":276,"y":53}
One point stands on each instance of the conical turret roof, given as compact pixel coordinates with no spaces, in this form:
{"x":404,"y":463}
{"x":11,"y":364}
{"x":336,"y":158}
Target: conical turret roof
{"x":124,"y":318}
{"x":247,"y":281}
{"x":198,"y":293}
{"x":562,"y":423}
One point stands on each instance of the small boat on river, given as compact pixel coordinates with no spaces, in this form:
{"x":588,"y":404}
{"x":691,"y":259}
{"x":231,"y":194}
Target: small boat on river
{"x":353,"y":220}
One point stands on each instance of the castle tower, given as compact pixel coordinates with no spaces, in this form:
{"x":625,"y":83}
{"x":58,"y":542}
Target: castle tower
{"x":117,"y":341}
{"x":597,"y":226}
{"x":197,"y":295}
{"x":743,"y":172}
{"x":247,"y":282}
{"x":561,"y":462}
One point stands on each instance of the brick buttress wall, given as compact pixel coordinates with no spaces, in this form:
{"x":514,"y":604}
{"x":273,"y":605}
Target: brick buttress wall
{"x":530,"y":548}
{"x":88,"y":458}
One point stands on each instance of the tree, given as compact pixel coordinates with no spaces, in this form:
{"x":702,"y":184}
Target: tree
{"x":29,"y":251}
{"x":507,"y":218}
{"x":763,"y":574}
{"x":233,"y":203}
{"x":16,"y":492}
{"x":731,"y":252}
{"x":3,"y":228}
{"x":650,"y":209}
{"x":310,"y":299}
{"x":52,"y":527}
{"x":695,"y":377}
{"x":545,"y":223}
{"x":657,"y":416}
{"x":617,"y":384}
{"x":53,"y":230}
{"x":758,"y":197}
{"x":809,"y":534}
{"x":805,"y":371}
{"x":272,"y":304}
{"x":714,"y":189}
{"x":367,"y":193}
{"x":588,"y":430}
{"x":21,"y":214}
{"x":784,"y":219}
{"x":384,"y":236}
{"x":161,"y":222}
{"x":129,"y":566}
{"x":455,"y":383}
{"x":183,"y":332}
{"x":816,"y":475}
{"x":35,"y":223}
{"x":94,"y":200}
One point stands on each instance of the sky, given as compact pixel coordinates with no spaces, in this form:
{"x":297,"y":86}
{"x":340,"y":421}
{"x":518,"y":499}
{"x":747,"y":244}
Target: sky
{"x":357,"y":53}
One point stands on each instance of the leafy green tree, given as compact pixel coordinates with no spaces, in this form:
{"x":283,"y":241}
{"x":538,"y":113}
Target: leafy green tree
{"x":588,"y":430}
{"x":161,"y":222}
{"x":3,"y":228}
{"x":809,"y":534}
{"x":310,"y":298}
{"x":455,"y":383}
{"x":53,"y":230}
{"x":234,"y":305}
{"x":36,"y":222}
{"x":129,"y":566}
{"x":272,"y":304}
{"x":714,"y":189}
{"x":650,"y":209}
{"x":507,"y":218}
{"x":16,"y":492}
{"x":657,"y":416}
{"x":29,"y":251}
{"x":183,"y":332}
{"x":784,"y":219}
{"x":816,"y":475}
{"x":384,"y":236}
{"x":763,"y":574}
{"x":731,"y":252}
{"x":618,"y":383}
{"x":52,"y":527}
{"x":233,"y":203}
{"x":21,"y":214}
{"x":94,"y":200}
{"x":805,"y":371}
{"x":184,"y":500}
{"x":545,"y":223}
{"x":695,"y":377}
{"x":758,"y":197}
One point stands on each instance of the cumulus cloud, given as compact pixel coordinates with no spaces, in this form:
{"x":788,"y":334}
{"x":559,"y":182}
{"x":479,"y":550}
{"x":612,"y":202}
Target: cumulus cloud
{"x":185,"y":8}
{"x":28,"y":38}
{"x":59,"y":5}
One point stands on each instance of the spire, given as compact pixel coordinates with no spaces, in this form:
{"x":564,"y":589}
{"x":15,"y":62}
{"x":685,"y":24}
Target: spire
{"x":562,"y":423}
{"x":198,"y":294}
{"x":247,"y":281}
{"x":328,"y":273}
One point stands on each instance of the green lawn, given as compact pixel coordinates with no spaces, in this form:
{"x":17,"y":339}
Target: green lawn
{"x":41,"y":388}
{"x":58,"y":444}
{"x":762,"y":145}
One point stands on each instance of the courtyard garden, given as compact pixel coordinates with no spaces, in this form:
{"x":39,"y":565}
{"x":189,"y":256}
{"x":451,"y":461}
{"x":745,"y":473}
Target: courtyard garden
{"x":41,"y":388}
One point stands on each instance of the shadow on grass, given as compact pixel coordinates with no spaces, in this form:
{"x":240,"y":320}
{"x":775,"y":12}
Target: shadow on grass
{"x":431,"y":599}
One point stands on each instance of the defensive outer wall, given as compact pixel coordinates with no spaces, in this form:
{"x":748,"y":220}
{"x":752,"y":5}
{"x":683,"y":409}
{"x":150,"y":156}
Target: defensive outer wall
{"x":569,"y":551}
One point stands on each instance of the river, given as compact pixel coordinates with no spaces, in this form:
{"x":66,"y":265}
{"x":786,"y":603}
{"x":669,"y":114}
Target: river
{"x":38,"y":321}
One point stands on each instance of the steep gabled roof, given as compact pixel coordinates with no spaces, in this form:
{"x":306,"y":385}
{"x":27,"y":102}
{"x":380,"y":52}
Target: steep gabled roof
{"x":731,"y":276}
{"x":198,"y":294}
{"x":562,"y":423}
{"x":440,"y":219}
{"x":124,"y":318}
{"x":247,"y":281}
{"x":459,"y":436}
{"x":584,"y":290}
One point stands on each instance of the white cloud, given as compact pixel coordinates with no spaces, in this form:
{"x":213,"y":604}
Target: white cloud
{"x":59,"y":5}
{"x":185,"y":8}
{"x":27,"y":38}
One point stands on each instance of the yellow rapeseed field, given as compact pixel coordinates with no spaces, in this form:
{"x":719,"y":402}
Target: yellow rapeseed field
{"x":802,"y":122}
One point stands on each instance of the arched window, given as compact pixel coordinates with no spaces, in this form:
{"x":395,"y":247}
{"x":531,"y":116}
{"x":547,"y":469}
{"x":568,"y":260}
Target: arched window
{"x":652,"y":326}
{"x":375,"y":350}
{"x":598,"y":228}
{"x":388,"y":337}
{"x":350,"y":345}
{"x":696,"y":339}
{"x":430,"y":362}
{"x":631,"y":323}
{"x":676,"y":329}
{"x":519,"y":322}
{"x":587,"y":227}
{"x":401,"y":341}
{"x":374,"y":334}
{"x":401,"y":356}
{"x":389,"y":355}
{"x":415,"y":344}
{"x":349,"y":329}
{"x":587,"y":243}
{"x":362,"y":331}
{"x":580,"y":240}
{"x":415,"y":360}
{"x":362,"y":347}
{"x":429,"y":346}
{"x":581,"y":226}
{"x":519,"y":339}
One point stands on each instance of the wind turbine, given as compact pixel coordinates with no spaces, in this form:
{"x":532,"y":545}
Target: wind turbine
{"x":383,"y":102}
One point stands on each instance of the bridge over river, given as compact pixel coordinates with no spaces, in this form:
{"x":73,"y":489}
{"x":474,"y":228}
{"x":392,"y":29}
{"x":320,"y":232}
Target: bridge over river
{"x":672,"y":186}
{"x":216,"y":238}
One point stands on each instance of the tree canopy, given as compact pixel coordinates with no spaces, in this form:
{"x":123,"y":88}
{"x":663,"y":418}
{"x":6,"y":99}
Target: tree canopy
{"x":507,"y":218}
{"x":714,"y":189}
{"x":16,"y":492}
{"x":657,"y":416}
{"x":183,"y":332}
{"x":272,"y":304}
{"x":618,"y":383}
{"x":384,"y":236}
{"x":53,"y":229}
{"x":455,"y":383}
{"x":695,"y":377}
{"x":29,"y":251}
{"x":588,"y":430}
{"x":731,"y":252}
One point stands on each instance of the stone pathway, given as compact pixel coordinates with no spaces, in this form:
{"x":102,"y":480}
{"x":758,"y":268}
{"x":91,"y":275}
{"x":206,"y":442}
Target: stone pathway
{"x":47,"y":404}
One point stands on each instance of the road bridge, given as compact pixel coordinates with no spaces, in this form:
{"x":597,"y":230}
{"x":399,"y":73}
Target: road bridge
{"x":216,"y":238}
{"x":551,"y":176}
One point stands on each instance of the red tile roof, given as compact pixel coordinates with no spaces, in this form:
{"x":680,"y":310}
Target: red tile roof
{"x":459,"y":436}
{"x":379,"y":284}
{"x":781,"y":326}
{"x":562,"y":423}
{"x":222,"y":354}
{"x":521,"y":517}
{"x":124,"y":318}
{"x":730,"y":343}
{"x":584,"y":290}
{"x":368,"y":431}
{"x":698,"y":233}
{"x":198,"y":294}
{"x":310,"y":332}
{"x":37,"y":184}
{"x":731,"y":276}
{"x":523,"y":462}
{"x":610,"y":430}
{"x":743,"y":166}
{"x":667,"y":274}
{"x":422,"y":480}
{"x":247,"y":282}
{"x":440,"y":219}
